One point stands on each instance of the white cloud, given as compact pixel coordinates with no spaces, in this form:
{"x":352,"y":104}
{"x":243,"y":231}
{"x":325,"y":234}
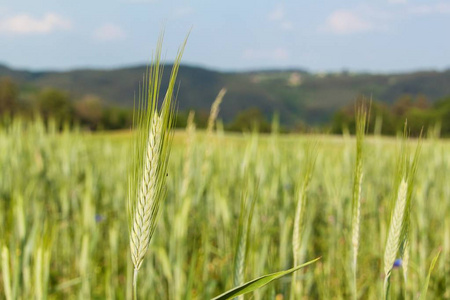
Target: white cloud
{"x":278,"y":16}
{"x":278,"y":54}
{"x":287,"y":25}
{"x":182,"y":11}
{"x":427,"y":9}
{"x":26,"y":24}
{"x":398,"y":1}
{"x":364,"y":18}
{"x":347,"y":22}
{"x":109,"y":32}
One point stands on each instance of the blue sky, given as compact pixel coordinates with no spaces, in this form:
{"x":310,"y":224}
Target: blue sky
{"x":329,"y":35}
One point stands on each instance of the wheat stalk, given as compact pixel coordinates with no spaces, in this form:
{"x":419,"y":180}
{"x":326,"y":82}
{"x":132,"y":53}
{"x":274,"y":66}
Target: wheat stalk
{"x":151,"y":145}
{"x":190,"y":131}
{"x":395,"y":231}
{"x":206,"y":165}
{"x":215,"y":110}
{"x":405,"y":265}
{"x":245,"y":220}
{"x":310,"y":160}
{"x":361,"y":125}
{"x":6,"y":273}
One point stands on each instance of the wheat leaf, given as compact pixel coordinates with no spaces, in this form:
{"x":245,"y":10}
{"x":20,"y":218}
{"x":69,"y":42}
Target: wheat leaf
{"x":259,"y":282}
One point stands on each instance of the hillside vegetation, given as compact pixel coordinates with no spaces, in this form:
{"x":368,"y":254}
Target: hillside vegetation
{"x":297,"y":96}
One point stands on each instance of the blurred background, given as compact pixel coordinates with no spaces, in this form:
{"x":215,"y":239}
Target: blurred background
{"x":304,"y":63}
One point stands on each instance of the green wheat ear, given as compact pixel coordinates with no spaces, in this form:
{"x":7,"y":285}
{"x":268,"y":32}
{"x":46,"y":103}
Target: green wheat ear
{"x":362,"y":117}
{"x":398,"y":234}
{"x":151,"y":148}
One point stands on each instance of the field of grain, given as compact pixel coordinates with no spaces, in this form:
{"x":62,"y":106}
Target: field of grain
{"x":63,"y":216}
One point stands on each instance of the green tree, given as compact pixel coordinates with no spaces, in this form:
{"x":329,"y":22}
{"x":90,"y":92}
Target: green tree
{"x":250,"y":119}
{"x":402,"y":105}
{"x":54,"y":103}
{"x":343,"y":119}
{"x":379,"y":112}
{"x":422,"y":102}
{"x":8,"y":95}
{"x":442,"y":112}
{"x":418,"y":119}
{"x":89,"y":111}
{"x":201,"y":118}
{"x":181,"y":119}
{"x":116,"y":118}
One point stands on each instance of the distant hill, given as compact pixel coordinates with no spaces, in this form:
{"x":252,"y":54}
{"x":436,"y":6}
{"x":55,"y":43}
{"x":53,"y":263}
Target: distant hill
{"x":295,"y":94}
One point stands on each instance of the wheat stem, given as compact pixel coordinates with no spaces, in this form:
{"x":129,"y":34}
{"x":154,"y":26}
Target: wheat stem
{"x":395,"y":230}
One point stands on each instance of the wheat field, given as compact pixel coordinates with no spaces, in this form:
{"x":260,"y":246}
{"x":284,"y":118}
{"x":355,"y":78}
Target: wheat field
{"x":63,"y":216}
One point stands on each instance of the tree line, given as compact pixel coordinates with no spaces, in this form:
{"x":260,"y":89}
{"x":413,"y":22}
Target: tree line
{"x":389,"y":119}
{"x":92,"y":113}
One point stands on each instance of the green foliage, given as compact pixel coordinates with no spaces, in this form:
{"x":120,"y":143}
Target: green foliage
{"x":8,"y":95}
{"x":419,"y":113}
{"x":442,"y":110}
{"x":295,"y":94}
{"x":249,"y":120}
{"x":54,"y":104}
{"x":115,"y":118}
{"x":89,"y":111}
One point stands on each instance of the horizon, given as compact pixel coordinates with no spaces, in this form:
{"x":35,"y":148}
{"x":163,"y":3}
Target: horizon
{"x":218,"y":70}
{"x":383,"y":37}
